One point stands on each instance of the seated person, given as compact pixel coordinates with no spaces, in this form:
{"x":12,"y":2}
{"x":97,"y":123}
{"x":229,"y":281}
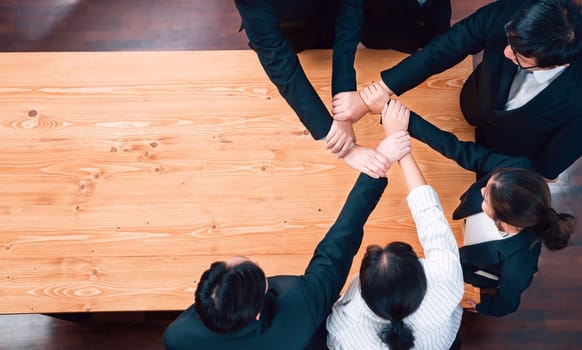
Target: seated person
{"x":523,"y":98}
{"x":399,"y":301}
{"x":508,"y":216}
{"x":237,"y":307}
{"x":404,"y":25}
{"x":278,"y":29}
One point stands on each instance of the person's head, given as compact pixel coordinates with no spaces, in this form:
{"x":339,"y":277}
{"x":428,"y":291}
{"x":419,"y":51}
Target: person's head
{"x":545,"y":34}
{"x":230,"y":295}
{"x":522,"y":199}
{"x":393,"y":285}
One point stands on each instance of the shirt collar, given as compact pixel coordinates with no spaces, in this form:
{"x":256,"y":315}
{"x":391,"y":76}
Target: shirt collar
{"x":544,"y":75}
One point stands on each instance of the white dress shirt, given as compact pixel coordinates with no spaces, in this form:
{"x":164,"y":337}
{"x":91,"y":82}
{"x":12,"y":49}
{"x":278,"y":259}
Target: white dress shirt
{"x":352,"y":325}
{"x":528,"y":84}
{"x":480,"y":228}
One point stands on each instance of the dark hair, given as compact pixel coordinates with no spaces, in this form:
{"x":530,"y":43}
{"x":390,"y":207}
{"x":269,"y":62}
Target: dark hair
{"x":229,"y":297}
{"x":393,"y":285}
{"x":548,"y":30}
{"x":522,"y":198}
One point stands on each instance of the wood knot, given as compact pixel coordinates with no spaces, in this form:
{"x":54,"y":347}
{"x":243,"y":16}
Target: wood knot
{"x":113,"y":149}
{"x":32,"y":113}
{"x":154,"y":144}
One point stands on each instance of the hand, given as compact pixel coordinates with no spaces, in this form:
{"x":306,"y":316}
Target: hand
{"x":395,"y":117}
{"x":340,"y":137}
{"x":375,"y":97}
{"x":348,"y":106}
{"x":368,"y":161}
{"x":395,"y":146}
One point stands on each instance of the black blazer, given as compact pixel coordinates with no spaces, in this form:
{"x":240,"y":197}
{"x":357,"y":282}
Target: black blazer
{"x":546,"y":129}
{"x":514,"y":260}
{"x":295,"y":308}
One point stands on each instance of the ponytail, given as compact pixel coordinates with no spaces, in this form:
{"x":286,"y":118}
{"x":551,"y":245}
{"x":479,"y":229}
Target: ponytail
{"x":557,"y":230}
{"x":397,"y":335}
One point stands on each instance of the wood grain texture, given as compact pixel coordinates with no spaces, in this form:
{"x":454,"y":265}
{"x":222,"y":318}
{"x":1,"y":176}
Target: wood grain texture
{"x":124,"y":175}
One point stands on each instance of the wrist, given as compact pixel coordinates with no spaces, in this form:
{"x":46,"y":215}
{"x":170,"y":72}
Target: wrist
{"x":368,"y":108}
{"x":385,"y":87}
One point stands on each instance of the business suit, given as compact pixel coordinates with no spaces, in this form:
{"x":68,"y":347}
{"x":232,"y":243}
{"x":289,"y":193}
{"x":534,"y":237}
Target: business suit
{"x":404,"y":25}
{"x":545,"y":129}
{"x":278,"y":29}
{"x":515,"y":259}
{"x":295,"y":307}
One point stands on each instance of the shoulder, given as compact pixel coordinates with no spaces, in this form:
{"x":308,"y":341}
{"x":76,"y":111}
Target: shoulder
{"x":186,"y":328}
{"x":351,"y":324}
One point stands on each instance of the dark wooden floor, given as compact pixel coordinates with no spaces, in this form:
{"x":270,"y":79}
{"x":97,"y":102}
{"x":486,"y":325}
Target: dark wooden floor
{"x":551,"y":313}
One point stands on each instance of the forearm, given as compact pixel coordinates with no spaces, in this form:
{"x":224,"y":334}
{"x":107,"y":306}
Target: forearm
{"x":467,"y":154}
{"x":333,"y":255}
{"x":411,"y":172}
{"x":328,"y":269}
{"x":283,"y":68}
{"x":434,"y":232}
{"x":464,"y":38}
{"x":348,"y":25}
{"x":496,"y":305}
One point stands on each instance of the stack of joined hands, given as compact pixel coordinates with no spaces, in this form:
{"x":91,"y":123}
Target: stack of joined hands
{"x":348,"y":108}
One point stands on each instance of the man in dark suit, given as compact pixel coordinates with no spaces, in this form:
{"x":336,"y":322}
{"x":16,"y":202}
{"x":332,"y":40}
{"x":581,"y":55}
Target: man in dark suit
{"x":524,"y":97}
{"x":236,"y":307}
{"x":278,"y":29}
{"x":404,"y":25}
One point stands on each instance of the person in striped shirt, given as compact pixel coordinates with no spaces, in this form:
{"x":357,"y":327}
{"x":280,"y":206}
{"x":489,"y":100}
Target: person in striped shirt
{"x":399,"y":301}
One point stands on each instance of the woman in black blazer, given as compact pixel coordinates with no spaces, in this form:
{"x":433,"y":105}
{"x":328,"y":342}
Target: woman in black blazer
{"x":516,"y":202}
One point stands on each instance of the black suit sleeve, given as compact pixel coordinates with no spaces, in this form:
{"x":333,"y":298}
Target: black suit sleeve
{"x":516,"y":276}
{"x":467,"y":154}
{"x":328,"y":269}
{"x":562,"y":150}
{"x":281,"y":64}
{"x":467,"y":37}
{"x":348,"y":25}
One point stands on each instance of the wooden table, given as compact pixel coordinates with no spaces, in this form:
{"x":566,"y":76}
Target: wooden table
{"x":125,"y":174}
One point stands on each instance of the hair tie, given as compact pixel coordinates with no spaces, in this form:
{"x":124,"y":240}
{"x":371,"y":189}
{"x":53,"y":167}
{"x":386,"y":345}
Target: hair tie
{"x":397,"y":326}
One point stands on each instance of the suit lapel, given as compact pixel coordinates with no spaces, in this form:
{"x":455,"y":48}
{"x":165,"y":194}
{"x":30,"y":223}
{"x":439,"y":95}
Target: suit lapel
{"x":508,"y":71}
{"x":558,"y":92}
